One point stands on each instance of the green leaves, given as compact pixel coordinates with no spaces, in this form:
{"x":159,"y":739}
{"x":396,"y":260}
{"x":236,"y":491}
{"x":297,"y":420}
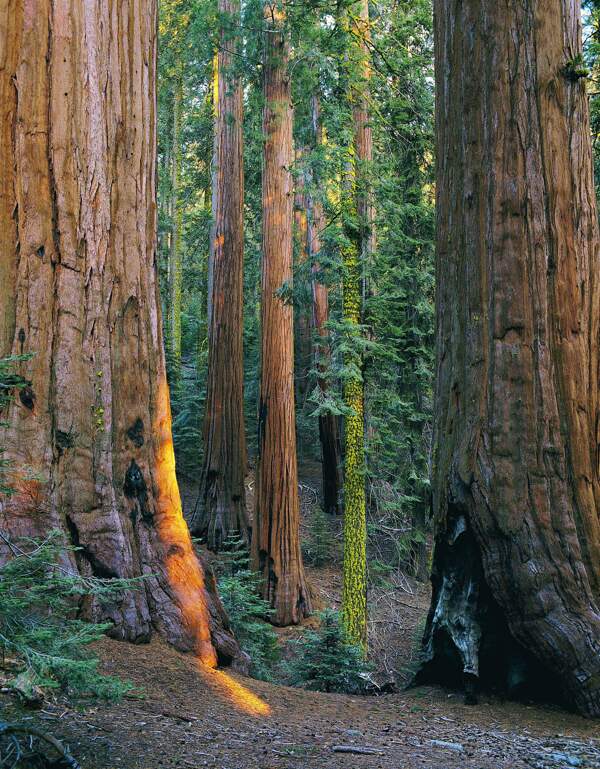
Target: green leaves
{"x":248,"y":614}
{"x":391,"y":350}
{"x":39,"y":597}
{"x":285,"y":292}
{"x":325,"y":661}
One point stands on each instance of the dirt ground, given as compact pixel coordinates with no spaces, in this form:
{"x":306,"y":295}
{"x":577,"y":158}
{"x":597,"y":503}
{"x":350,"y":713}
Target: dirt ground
{"x":185,"y":716}
{"x":189,"y":717}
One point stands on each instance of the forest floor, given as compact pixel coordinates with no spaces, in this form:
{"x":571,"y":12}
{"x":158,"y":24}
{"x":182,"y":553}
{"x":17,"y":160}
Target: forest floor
{"x":185,"y":716}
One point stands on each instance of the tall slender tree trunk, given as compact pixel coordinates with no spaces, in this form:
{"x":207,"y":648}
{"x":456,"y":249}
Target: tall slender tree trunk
{"x":276,"y":538}
{"x":355,"y":253}
{"x":303,"y":340}
{"x":516,"y":573}
{"x":210,"y":193}
{"x":331,"y":450}
{"x":363,"y":140}
{"x":10,"y":23}
{"x":222,"y":485}
{"x":175,"y":264}
{"x":90,"y":440}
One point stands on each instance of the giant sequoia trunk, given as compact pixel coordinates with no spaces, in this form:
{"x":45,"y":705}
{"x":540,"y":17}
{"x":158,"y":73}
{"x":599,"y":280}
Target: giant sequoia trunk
{"x":223,"y":510}
{"x":276,"y":551}
{"x":90,"y":440}
{"x":516,"y":573}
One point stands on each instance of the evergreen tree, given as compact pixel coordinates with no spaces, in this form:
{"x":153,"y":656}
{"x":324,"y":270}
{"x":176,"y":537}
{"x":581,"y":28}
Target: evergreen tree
{"x":516,"y":565}
{"x":327,"y":661}
{"x":90,"y":439}
{"x":223,"y":493}
{"x":276,"y":552}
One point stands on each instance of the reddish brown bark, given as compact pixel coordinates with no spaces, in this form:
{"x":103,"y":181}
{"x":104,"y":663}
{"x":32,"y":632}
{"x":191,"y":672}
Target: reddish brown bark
{"x":175,"y":261}
{"x":303,"y":331}
{"x":275,"y":538}
{"x":363,"y":134}
{"x":10,"y":22}
{"x":331,"y":447}
{"x":223,"y":512}
{"x":77,"y":173}
{"x":516,"y":571}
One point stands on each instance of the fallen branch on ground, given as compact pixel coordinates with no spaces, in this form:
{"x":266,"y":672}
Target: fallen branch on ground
{"x":361,"y":750}
{"x":13,"y":731}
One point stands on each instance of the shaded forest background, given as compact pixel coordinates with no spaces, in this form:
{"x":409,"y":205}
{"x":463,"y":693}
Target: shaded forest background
{"x":398,"y":313}
{"x":396,"y":339}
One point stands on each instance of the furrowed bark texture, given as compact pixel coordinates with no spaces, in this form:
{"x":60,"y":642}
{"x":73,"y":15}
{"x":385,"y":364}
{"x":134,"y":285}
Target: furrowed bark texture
{"x":275,"y":536}
{"x":354,"y":592}
{"x":223,"y":513}
{"x":302,"y":320}
{"x":90,"y":442}
{"x":331,"y":449}
{"x":515,"y":477}
{"x":175,"y":263}
{"x":363,"y":136}
{"x":10,"y":21}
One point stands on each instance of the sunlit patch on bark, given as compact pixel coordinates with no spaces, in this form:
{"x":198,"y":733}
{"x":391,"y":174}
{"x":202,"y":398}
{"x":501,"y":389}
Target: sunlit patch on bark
{"x":182,"y":567}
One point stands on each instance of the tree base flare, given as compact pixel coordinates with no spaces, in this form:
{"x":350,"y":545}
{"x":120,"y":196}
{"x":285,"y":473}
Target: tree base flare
{"x":467,"y":642}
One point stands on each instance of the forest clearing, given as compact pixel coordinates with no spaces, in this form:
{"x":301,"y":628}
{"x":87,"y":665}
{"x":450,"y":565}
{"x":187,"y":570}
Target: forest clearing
{"x":299,"y":384}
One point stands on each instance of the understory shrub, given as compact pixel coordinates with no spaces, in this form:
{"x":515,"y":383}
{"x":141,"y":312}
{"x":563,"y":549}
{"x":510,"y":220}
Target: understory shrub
{"x":41,"y":639}
{"x":40,"y":636}
{"x":248,"y":614}
{"x":325,"y":661}
{"x":318,"y":546}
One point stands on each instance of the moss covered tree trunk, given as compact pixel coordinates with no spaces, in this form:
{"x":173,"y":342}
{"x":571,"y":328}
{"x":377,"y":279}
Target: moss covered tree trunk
{"x":90,"y":440}
{"x":275,"y":537}
{"x":516,"y":573}
{"x":223,"y":511}
{"x":356,"y":250}
{"x":331,"y":449}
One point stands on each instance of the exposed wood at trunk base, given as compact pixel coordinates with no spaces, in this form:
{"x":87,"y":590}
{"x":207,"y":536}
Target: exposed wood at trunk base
{"x":467,"y":641}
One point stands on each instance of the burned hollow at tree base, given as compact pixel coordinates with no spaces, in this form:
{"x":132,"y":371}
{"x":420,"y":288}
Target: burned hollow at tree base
{"x":467,"y":643}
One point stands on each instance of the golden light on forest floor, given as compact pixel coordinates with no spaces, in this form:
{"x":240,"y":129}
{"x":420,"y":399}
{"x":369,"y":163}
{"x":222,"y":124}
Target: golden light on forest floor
{"x":226,"y":686}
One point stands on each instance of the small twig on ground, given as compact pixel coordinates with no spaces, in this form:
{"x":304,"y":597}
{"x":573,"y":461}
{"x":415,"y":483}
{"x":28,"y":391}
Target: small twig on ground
{"x":361,"y":750}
